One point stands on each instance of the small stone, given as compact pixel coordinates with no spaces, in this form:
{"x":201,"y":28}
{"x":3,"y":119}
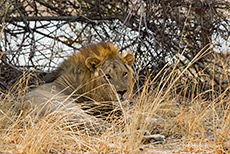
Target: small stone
{"x":154,"y":137}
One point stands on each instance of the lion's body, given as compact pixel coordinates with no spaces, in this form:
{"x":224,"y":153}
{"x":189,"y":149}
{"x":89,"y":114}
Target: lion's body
{"x":98,"y":73}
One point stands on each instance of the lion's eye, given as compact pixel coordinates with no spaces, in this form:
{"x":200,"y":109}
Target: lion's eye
{"x":125,"y":74}
{"x":108,"y":76}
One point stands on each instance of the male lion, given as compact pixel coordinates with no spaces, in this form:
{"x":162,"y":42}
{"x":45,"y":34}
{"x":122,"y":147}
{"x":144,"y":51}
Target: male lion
{"x":96,"y":77}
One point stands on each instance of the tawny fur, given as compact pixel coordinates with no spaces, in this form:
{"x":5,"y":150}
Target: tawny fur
{"x":98,"y":73}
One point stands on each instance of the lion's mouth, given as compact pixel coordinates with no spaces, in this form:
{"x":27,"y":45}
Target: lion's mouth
{"x":123,"y":98}
{"x":121,"y":94}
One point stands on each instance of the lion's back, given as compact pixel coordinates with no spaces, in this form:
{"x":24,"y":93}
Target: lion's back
{"x":79,"y":79}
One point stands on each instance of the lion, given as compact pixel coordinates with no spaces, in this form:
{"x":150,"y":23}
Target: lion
{"x":97,"y":74}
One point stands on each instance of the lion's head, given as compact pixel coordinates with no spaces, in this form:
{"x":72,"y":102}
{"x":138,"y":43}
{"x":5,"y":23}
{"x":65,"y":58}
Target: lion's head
{"x":98,"y":72}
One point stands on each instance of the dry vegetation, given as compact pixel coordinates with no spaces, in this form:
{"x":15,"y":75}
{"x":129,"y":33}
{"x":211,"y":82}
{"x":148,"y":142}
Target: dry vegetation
{"x":194,"y":117}
{"x":194,"y":125}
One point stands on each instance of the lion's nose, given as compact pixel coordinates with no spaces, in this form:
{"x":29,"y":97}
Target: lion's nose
{"x":121,"y":92}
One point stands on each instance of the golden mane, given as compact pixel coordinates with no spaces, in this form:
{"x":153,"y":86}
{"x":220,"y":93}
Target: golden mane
{"x":100,"y":51}
{"x":97,"y":72}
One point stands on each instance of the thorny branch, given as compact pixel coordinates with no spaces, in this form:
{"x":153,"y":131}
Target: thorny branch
{"x":39,"y":33}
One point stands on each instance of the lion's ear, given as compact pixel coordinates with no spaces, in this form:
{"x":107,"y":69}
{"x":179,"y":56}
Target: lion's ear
{"x":92,"y":63}
{"x":128,"y":58}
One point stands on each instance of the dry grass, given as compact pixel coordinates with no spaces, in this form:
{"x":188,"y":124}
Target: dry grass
{"x":190,"y":125}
